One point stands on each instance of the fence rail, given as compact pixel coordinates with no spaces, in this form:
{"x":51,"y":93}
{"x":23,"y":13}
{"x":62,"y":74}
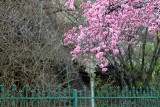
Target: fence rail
{"x":68,"y":97}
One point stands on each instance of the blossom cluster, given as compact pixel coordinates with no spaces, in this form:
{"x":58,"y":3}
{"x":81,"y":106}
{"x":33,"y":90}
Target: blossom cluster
{"x":70,"y":4}
{"x":111,"y":23}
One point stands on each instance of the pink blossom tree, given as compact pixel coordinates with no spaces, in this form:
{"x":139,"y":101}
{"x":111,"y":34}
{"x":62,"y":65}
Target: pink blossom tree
{"x":114,"y":28}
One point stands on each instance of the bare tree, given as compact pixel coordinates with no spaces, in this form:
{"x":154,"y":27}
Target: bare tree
{"x":31,"y":43}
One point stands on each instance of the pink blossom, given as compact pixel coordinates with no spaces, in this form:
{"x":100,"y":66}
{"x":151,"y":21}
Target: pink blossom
{"x":114,"y":42}
{"x":104,"y":69}
{"x":70,"y":4}
{"x":96,"y":49}
{"x":76,"y":50}
{"x":152,"y":28}
{"x":104,"y":31}
{"x":105,"y":62}
{"x":99,"y":55}
{"x":158,"y":21}
{"x":85,"y":4}
{"x":115,"y":51}
{"x":101,"y":66}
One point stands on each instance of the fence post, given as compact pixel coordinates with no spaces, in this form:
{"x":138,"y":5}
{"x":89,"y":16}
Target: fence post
{"x":14,"y":95}
{"x":1,"y":95}
{"x":27,"y":90}
{"x":91,"y":69}
{"x":75,"y":97}
{"x":92,"y":90}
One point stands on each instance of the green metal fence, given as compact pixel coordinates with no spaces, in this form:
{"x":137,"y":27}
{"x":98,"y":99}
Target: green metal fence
{"x":68,"y":97}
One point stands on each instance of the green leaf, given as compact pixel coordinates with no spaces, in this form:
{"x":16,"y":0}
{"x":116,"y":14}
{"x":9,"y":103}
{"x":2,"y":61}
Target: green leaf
{"x":79,"y":2}
{"x":158,"y":33}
